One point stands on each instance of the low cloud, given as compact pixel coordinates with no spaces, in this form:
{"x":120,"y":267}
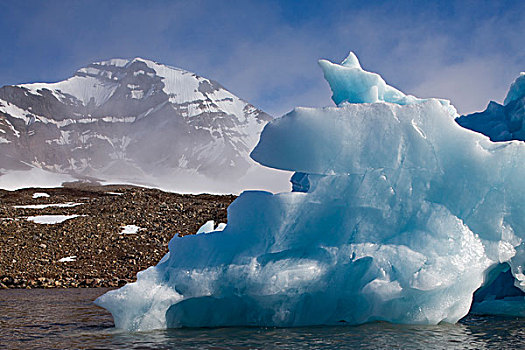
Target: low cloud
{"x":267,"y":52}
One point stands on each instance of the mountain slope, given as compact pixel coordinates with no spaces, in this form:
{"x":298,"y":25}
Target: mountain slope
{"x":135,"y":121}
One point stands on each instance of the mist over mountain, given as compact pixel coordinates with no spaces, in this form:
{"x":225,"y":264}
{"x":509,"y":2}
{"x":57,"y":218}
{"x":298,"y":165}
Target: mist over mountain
{"x":135,"y":121}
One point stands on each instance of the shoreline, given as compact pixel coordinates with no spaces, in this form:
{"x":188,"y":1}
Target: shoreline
{"x":108,"y":233}
{"x":8,"y":282}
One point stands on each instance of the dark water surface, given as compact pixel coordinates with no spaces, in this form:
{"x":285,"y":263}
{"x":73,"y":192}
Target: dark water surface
{"x":65,"y":319}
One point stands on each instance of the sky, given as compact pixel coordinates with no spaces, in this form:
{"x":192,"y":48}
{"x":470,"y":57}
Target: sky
{"x":266,"y":52}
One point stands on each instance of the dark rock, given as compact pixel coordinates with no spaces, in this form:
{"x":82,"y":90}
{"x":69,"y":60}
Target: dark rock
{"x":104,"y":257}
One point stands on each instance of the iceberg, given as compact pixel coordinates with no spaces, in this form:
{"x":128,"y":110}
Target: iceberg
{"x":397,"y":214}
{"x":501,"y":122}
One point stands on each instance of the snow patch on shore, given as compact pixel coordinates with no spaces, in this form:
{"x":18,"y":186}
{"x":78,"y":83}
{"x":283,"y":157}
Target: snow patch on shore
{"x":68,"y":259}
{"x":43,"y":206}
{"x":50,"y":219}
{"x":130,"y":229}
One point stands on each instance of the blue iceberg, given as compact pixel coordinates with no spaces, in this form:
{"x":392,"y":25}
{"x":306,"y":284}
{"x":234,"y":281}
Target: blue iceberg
{"x":501,"y":122}
{"x":397,"y":214}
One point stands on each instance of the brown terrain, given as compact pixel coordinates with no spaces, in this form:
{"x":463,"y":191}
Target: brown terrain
{"x":105,"y":257}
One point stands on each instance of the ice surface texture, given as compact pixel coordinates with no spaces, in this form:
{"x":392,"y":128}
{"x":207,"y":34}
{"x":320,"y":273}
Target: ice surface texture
{"x":398,"y":214}
{"x":517,"y":90}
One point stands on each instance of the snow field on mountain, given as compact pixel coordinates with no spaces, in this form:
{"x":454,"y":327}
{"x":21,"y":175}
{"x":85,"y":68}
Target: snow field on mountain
{"x":83,"y":88}
{"x":136,"y":121}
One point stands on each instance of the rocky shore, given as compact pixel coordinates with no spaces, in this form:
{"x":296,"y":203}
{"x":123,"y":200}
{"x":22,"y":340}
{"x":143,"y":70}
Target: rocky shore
{"x":93,"y":236}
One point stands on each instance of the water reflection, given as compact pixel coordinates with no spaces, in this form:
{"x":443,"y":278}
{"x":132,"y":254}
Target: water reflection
{"x":68,"y":319}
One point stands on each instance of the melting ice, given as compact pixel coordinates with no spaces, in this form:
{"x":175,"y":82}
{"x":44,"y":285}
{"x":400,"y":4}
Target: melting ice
{"x":398,"y":214}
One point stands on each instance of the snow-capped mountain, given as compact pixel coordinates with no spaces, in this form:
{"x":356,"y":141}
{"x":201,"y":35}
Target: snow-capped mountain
{"x":135,"y":121}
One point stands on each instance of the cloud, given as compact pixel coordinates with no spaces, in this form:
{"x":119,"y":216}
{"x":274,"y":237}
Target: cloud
{"x":267,"y":52}
{"x":469,"y":55}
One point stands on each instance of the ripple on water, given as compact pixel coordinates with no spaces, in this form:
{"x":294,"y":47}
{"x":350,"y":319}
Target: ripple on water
{"x":67,"y":318}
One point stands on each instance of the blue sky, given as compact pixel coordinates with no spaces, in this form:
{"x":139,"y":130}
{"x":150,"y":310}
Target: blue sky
{"x":266,"y":51}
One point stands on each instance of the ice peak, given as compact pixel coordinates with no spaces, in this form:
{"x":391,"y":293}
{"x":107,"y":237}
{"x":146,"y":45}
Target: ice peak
{"x":517,"y":89}
{"x":352,"y":84}
{"x":351,"y":61}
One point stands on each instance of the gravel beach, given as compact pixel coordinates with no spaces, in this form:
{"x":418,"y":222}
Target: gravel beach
{"x":93,"y":236}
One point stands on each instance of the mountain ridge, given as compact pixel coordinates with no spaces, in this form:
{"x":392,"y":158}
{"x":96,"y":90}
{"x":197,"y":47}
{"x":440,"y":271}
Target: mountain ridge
{"x":134,"y":120}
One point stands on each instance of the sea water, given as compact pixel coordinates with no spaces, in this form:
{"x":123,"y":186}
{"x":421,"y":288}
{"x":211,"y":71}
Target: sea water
{"x":67,"y":318}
